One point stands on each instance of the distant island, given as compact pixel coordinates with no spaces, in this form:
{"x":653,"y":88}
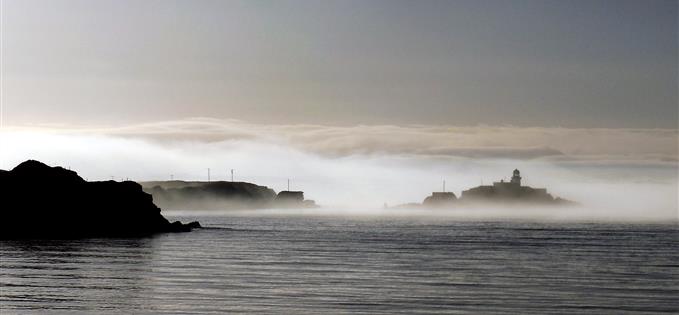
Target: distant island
{"x":221,"y":195}
{"x":502,"y":192}
{"x":39,"y":201}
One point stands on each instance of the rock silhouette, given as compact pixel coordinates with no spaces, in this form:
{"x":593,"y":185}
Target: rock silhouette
{"x":221,"y":195}
{"x":292,"y":199}
{"x":503,"y":193}
{"x":440,"y":199}
{"x":511,"y":191}
{"x":39,"y":201}
{"x":183,"y":195}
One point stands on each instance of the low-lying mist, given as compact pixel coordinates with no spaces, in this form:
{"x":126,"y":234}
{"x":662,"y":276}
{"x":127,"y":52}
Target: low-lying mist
{"x":487,"y":212}
{"x":613,"y":184}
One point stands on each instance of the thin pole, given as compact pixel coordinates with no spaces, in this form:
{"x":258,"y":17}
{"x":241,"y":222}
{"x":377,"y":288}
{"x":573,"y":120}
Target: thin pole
{"x":444,"y":185}
{"x":208,"y":175}
{"x":232,"y":175}
{"x":288,"y":184}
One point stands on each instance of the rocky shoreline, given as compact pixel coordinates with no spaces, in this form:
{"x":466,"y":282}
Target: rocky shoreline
{"x":40,"y":201}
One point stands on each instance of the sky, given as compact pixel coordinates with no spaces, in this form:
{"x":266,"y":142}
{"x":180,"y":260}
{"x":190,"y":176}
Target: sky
{"x":359,"y":103}
{"x":591,"y":64}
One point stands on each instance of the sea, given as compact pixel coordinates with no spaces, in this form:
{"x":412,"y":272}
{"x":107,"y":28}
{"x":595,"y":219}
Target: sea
{"x":301,"y":264}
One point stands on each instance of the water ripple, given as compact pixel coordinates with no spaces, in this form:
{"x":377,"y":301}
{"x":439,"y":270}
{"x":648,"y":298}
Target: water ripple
{"x":329,"y":265}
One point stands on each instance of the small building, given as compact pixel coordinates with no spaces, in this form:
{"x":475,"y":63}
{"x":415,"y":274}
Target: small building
{"x":290,"y":196}
{"x":293,"y":199}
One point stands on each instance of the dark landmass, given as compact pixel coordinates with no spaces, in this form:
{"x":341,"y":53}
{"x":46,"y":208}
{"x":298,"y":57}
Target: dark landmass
{"x":511,"y":192}
{"x":288,"y":198}
{"x":500,"y":193}
{"x":184,"y":195}
{"x":39,"y":201}
{"x":221,"y":195}
{"x":440,"y":199}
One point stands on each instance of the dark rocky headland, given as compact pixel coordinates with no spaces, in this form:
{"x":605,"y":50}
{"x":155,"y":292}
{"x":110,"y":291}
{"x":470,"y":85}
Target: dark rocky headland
{"x":39,"y":201}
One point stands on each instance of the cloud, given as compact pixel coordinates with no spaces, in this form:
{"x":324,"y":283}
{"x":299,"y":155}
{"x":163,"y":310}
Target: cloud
{"x":484,"y":142}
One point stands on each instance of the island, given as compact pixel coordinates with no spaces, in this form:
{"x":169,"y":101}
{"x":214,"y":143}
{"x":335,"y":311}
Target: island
{"x":500,"y":193}
{"x":221,"y":195}
{"x":39,"y":201}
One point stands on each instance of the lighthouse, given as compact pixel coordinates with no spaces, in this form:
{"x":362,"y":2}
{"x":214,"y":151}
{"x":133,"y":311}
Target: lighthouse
{"x":516,"y":177}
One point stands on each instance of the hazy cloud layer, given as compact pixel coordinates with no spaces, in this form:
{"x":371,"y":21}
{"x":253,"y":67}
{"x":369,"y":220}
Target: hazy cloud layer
{"x":505,"y":142}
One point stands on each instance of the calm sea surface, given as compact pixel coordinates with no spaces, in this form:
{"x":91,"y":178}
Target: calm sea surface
{"x":294,"y":265}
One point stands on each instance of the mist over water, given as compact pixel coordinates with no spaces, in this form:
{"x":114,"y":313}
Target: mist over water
{"x":359,"y":183}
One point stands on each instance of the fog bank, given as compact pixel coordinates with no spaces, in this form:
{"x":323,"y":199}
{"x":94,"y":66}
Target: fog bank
{"x":615,"y":174}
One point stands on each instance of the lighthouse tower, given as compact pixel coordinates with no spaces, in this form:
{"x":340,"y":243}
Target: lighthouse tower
{"x":516,"y":177}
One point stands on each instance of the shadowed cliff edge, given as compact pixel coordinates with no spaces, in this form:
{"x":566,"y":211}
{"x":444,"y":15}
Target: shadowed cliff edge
{"x":39,"y":201}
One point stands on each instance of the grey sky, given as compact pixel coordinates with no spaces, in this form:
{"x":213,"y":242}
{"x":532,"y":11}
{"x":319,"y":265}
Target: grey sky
{"x":528,"y":63}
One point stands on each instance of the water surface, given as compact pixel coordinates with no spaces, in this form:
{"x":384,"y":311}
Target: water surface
{"x":301,"y":264}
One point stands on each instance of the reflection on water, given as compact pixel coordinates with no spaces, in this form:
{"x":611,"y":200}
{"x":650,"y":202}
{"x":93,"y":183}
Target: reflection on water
{"x":312,"y":265}
{"x":74,"y":274}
